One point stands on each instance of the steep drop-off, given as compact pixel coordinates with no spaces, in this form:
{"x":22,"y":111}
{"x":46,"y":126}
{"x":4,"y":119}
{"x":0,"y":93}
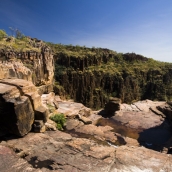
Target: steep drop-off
{"x":29,"y":59}
{"x":92,"y":75}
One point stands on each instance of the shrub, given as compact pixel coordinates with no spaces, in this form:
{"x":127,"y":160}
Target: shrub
{"x":2,"y":34}
{"x":59,"y":119}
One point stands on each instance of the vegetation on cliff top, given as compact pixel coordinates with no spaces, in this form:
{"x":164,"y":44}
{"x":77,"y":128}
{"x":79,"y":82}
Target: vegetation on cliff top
{"x":92,"y":75}
{"x":18,"y":43}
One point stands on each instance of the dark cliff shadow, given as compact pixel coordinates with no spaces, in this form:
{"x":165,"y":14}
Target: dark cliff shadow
{"x":103,"y":114}
{"x":156,"y":138}
{"x":8,"y":136}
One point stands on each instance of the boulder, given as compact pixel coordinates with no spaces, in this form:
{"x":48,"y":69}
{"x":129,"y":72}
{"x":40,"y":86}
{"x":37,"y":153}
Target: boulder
{"x":72,"y":109}
{"x":112,"y":106}
{"x":20,"y":105}
{"x":39,"y":126}
{"x":16,"y":111}
{"x":84,"y":119}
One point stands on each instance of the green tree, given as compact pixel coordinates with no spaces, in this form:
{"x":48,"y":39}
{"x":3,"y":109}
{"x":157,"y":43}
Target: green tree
{"x":19,"y":34}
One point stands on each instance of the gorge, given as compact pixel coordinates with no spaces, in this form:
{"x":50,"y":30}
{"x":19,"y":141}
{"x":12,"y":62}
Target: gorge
{"x":39,"y":79}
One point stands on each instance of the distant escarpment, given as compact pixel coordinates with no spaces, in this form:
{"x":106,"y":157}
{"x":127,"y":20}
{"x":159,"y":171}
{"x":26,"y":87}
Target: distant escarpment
{"x":27,"y":58}
{"x":92,"y":75}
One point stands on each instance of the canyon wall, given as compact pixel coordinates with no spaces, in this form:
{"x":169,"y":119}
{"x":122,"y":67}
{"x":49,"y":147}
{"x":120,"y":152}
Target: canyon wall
{"x":92,"y":79}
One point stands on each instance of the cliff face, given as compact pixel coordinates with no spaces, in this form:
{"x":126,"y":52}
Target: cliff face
{"x":34,"y":65}
{"x":92,"y":79}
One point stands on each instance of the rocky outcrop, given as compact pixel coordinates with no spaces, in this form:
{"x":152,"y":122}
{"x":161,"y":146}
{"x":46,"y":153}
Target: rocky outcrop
{"x":112,"y":106}
{"x":35,"y":65}
{"x":72,"y":109}
{"x":20,"y":105}
{"x":166,"y":109}
{"x":14,"y":69}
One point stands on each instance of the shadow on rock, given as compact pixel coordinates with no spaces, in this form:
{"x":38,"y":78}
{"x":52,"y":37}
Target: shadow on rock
{"x":156,"y":138}
{"x":8,"y":136}
{"x":40,"y":164}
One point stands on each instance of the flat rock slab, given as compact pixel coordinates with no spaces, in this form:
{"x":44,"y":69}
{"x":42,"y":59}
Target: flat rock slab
{"x":139,"y":115}
{"x":72,"y":109}
{"x":141,"y":159}
{"x":58,"y":151}
{"x":143,"y":120}
{"x":9,"y":162}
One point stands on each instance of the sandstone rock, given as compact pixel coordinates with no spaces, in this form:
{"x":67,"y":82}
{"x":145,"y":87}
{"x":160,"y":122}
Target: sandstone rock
{"x":72,"y":109}
{"x":20,"y":104}
{"x":156,"y":111}
{"x":37,"y":67}
{"x":58,"y":151}
{"x":11,"y":162}
{"x":102,"y":133}
{"x":167,"y":110}
{"x":131,"y":142}
{"x":49,"y":101}
{"x":141,"y":119}
{"x":14,"y":69}
{"x":45,"y":89}
{"x":16,"y":111}
{"x":38,"y":126}
{"x":41,"y":113}
{"x":85,"y":120}
{"x":112,"y":106}
{"x":141,"y":159}
{"x":50,"y":125}
{"x":72,"y":124}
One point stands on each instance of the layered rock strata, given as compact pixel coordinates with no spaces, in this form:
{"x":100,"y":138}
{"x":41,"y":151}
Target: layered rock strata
{"x":36,"y":66}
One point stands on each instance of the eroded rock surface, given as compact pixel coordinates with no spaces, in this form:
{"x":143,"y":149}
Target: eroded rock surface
{"x":14,"y":69}
{"x":11,"y":162}
{"x":142,"y":114}
{"x":35,"y":65}
{"x":58,"y":151}
{"x":72,"y":109}
{"x":20,"y":105}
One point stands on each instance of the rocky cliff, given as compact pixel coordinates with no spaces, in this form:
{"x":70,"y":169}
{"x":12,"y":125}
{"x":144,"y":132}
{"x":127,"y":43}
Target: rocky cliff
{"x":28,"y":59}
{"x":91,"y":76}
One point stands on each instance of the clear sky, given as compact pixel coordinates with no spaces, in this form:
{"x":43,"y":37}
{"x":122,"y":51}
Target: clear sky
{"x":140,"y":26}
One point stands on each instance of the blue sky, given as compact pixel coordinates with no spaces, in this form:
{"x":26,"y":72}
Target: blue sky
{"x":140,"y":26}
